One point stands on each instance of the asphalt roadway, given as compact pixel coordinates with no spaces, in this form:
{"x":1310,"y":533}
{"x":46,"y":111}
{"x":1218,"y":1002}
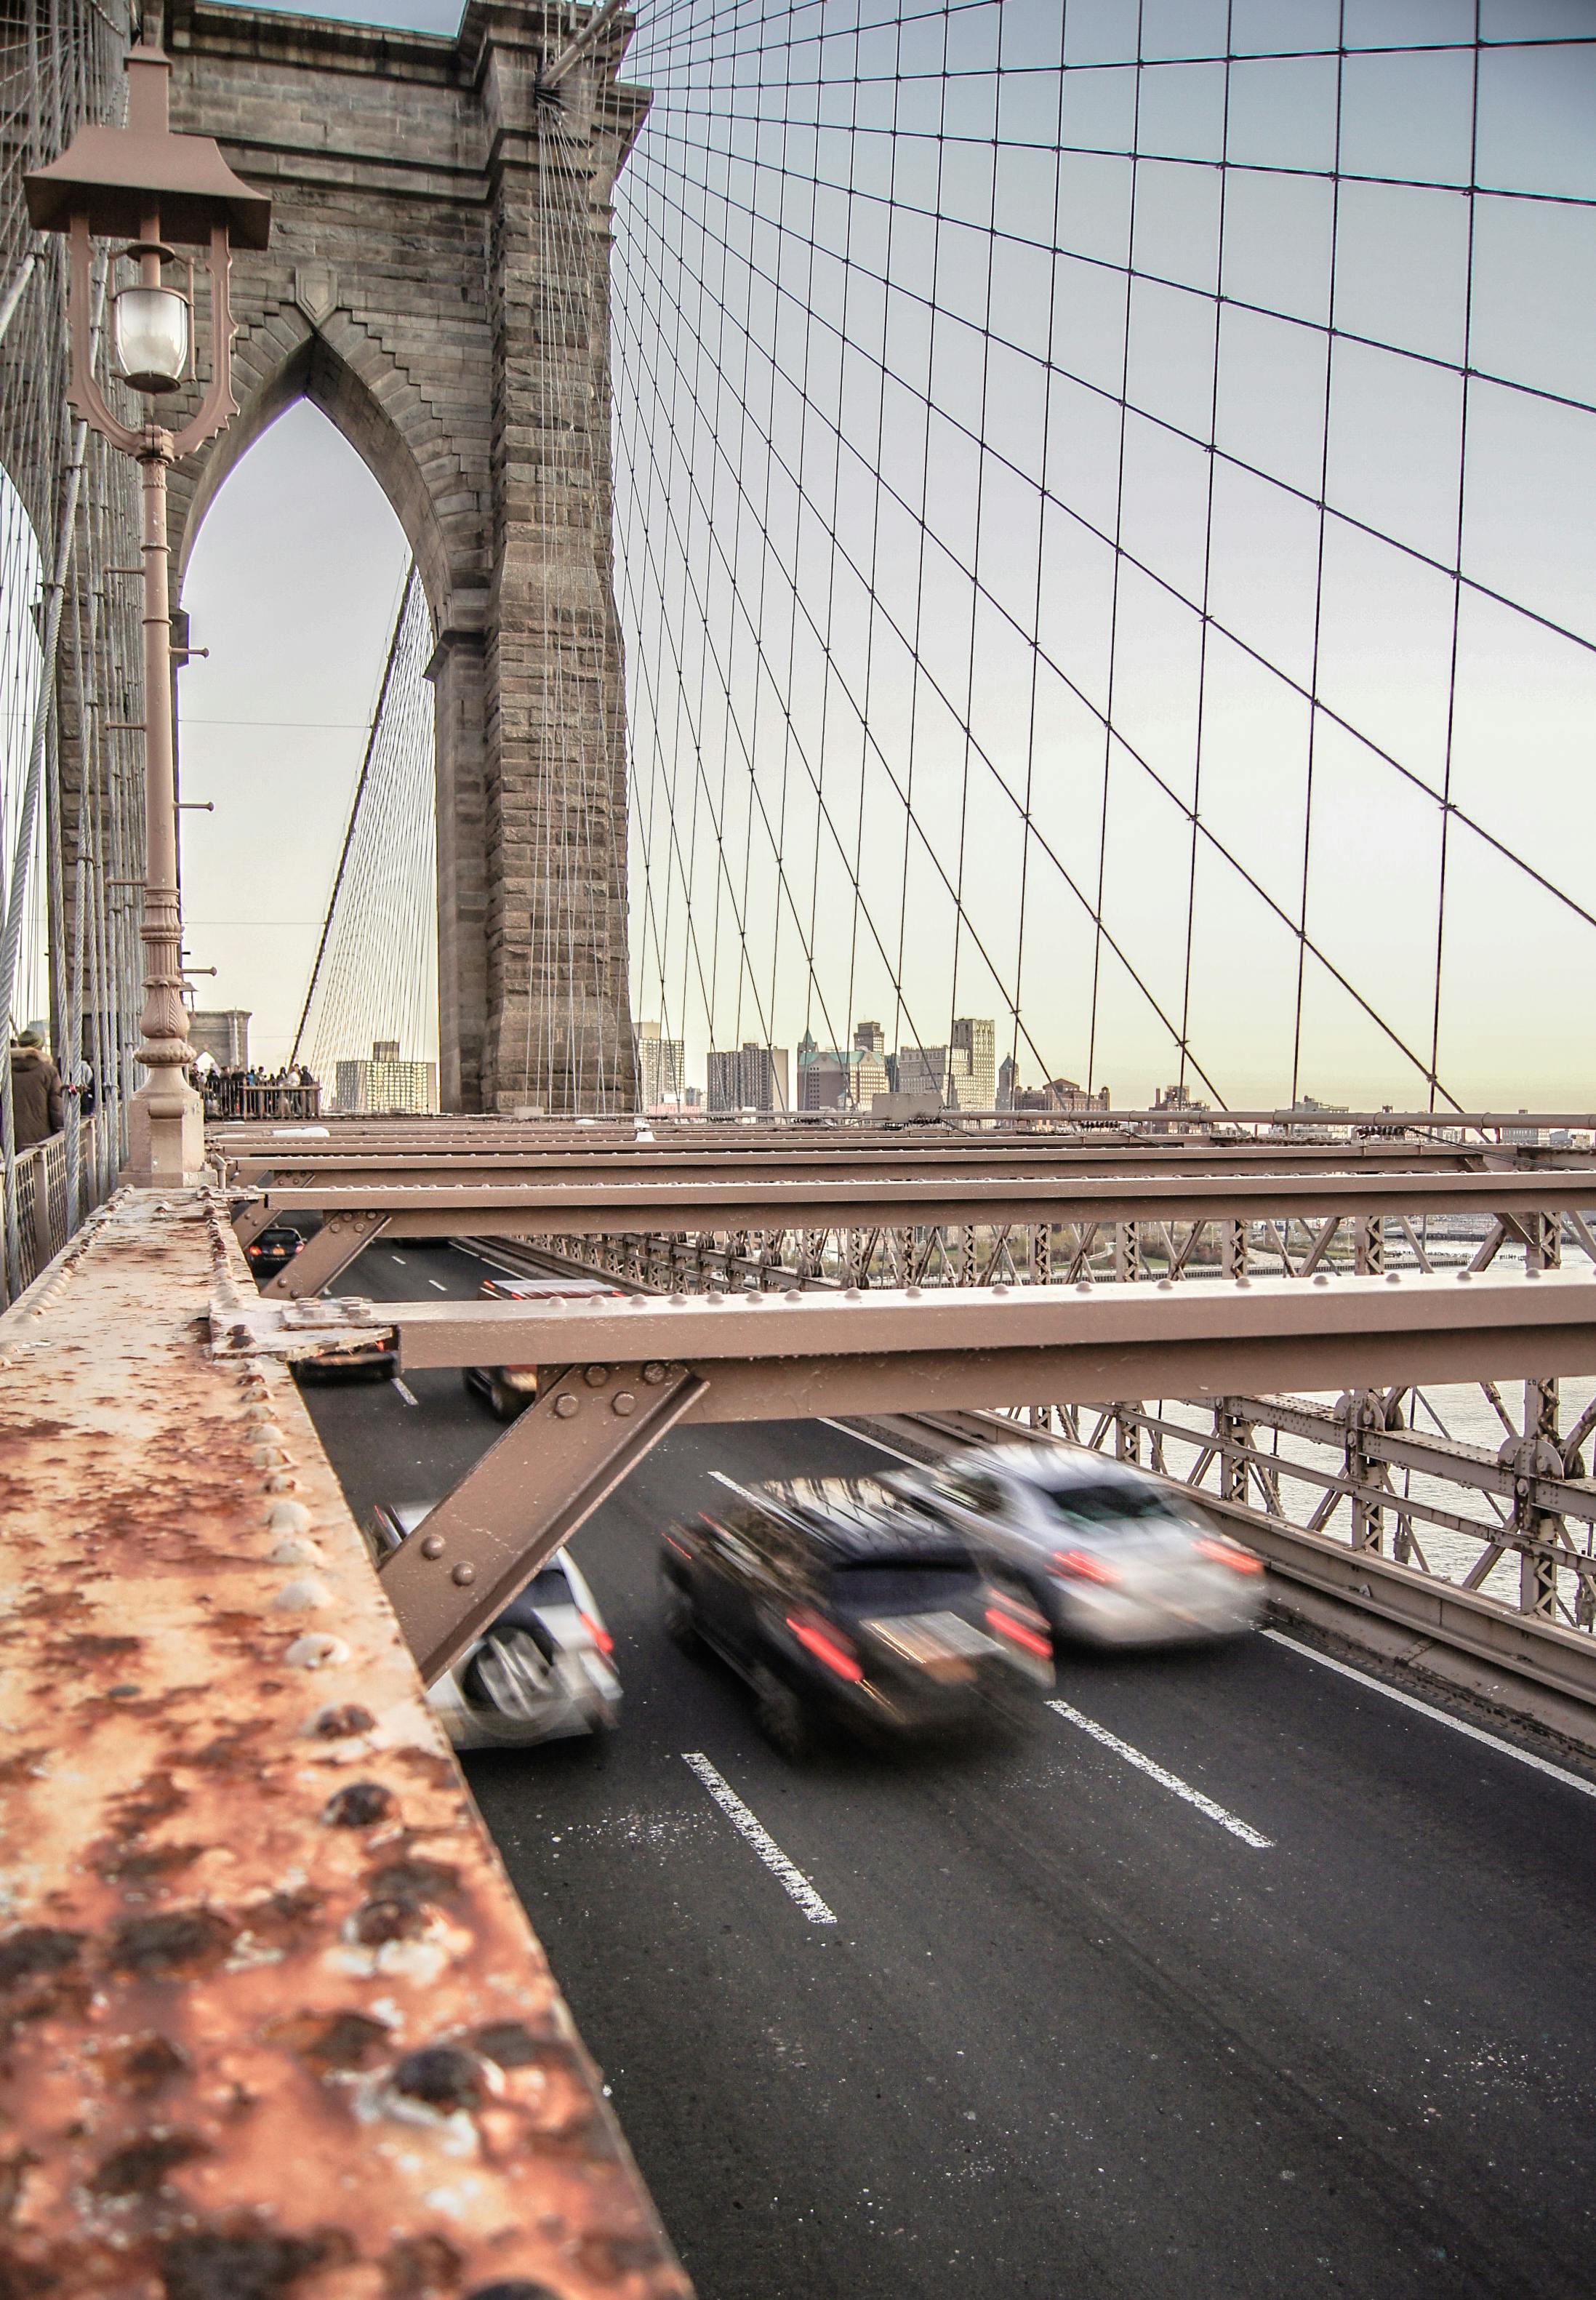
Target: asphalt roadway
{"x":1068,"y":2034}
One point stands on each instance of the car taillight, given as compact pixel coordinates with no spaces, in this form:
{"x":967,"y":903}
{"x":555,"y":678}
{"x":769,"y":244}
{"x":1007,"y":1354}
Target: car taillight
{"x":1080,"y":1565}
{"x":1026,"y":1629}
{"x":680,"y":1547}
{"x":599,"y":1634}
{"x":1226,"y":1552}
{"x":252,"y":1249}
{"x":818,"y":1639}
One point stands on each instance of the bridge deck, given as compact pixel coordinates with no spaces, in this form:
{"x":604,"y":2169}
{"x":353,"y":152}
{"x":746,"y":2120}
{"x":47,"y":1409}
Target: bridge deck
{"x":272,"y":2003}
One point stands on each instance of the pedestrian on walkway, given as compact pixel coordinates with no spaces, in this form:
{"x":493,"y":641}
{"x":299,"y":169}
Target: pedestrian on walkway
{"x":35,"y":1091}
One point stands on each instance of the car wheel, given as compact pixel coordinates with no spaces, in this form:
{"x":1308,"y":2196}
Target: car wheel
{"x":781,"y":1717}
{"x":681,"y":1617}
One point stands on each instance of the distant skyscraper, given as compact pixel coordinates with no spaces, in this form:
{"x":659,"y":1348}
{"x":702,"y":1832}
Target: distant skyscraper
{"x":840,"y":1078}
{"x":1008,"y":1083}
{"x":921,"y":1069}
{"x":661,"y":1067}
{"x":962,"y":1076}
{"x":754,"y":1077}
{"x":870,"y":1038}
{"x":384,"y":1083}
{"x":975,"y":1079}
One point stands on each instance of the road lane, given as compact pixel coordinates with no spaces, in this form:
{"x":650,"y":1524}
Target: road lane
{"x":1066,"y":2035}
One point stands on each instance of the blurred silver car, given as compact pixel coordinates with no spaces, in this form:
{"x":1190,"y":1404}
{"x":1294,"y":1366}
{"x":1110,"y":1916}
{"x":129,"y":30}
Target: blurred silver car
{"x":1111,"y":1556}
{"x":541,"y":1673}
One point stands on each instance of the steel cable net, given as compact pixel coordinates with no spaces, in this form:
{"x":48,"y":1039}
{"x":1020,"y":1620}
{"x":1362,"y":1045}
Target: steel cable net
{"x":374,"y":981}
{"x":72,"y":782}
{"x":1104,"y":538}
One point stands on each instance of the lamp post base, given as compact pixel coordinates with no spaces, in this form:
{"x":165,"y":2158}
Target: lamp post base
{"x":166,"y":1136}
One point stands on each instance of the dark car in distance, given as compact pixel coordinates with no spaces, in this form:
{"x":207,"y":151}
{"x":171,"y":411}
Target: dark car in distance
{"x":509,"y":1389}
{"x":273,"y":1250}
{"x":840,"y":1602}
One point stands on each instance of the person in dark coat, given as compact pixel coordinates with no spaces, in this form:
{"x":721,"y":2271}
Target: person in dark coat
{"x":35,"y":1091}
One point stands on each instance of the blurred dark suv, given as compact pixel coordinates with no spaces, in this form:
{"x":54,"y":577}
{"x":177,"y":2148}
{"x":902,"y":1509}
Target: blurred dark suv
{"x":840,"y":1601}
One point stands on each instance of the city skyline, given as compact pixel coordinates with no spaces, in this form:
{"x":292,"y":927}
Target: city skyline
{"x":1215,"y":750}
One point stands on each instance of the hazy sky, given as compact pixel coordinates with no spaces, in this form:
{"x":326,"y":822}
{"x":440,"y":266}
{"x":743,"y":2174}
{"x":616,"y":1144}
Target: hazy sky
{"x":824,"y":357}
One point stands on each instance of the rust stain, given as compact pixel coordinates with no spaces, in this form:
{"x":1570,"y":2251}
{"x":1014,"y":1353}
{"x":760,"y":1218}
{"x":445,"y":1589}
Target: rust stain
{"x":272,"y":2026}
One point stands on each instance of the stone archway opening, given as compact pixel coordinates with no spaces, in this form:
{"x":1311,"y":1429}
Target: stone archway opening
{"x":292,"y":581}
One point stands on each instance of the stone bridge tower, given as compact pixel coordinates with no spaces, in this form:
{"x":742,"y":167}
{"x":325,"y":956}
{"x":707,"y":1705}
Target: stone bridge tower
{"x":437,"y":285}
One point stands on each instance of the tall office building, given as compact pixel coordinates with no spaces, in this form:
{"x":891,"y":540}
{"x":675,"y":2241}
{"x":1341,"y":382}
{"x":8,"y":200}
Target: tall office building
{"x":962,"y":1076}
{"x":1008,"y":1083}
{"x":839,"y":1078}
{"x":662,"y":1068}
{"x":750,"y":1078}
{"x":870,"y":1038}
{"x":921,"y":1069}
{"x":975,"y":1078}
{"x":384,"y":1083}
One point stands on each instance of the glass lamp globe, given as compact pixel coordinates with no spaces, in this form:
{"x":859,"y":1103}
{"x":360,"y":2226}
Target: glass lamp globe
{"x":150,"y":330}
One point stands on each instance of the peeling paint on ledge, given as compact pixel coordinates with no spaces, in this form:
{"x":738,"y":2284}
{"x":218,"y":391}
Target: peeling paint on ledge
{"x":274,"y":2023}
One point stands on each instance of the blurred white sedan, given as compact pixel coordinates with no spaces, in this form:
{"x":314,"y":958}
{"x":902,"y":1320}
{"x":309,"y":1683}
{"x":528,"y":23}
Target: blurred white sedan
{"x":1111,"y":1556}
{"x":542,"y":1672}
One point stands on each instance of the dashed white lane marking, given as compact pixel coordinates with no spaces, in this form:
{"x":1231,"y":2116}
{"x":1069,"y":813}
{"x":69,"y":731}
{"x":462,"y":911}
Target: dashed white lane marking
{"x":749,"y":1826}
{"x":409,"y":1395}
{"x":399,"y":1258}
{"x":439,"y":1284}
{"x":1171,"y":1782}
{"x":1437,"y":1716}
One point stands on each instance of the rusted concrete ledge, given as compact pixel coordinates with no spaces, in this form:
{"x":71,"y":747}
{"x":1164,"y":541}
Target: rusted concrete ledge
{"x":274,"y":2021}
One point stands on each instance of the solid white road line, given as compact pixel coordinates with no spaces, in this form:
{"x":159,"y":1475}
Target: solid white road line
{"x":1437,"y":1716}
{"x":749,"y":1826}
{"x":409,"y":1395}
{"x":1171,"y":1782}
{"x":911,"y":1461}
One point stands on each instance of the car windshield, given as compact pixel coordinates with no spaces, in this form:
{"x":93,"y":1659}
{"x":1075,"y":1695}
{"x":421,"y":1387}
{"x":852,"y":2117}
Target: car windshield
{"x":1109,"y":1502}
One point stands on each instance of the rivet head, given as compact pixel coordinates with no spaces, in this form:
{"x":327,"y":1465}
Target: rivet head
{"x":595,"y":1376}
{"x":463,"y":1574}
{"x":623,"y":1402}
{"x":654,"y":1372}
{"x":432,"y":1545}
{"x":565,"y":1404}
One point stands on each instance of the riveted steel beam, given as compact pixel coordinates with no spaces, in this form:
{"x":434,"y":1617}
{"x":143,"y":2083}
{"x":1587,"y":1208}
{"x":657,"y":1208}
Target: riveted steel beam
{"x":600,"y":1203}
{"x":323,"y":1256}
{"x":847,"y":1351}
{"x":555,"y":1464}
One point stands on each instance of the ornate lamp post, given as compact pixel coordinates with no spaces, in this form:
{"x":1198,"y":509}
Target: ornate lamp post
{"x":137,"y":184}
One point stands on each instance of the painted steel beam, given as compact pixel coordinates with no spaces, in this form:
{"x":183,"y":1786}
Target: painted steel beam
{"x":601,"y":1203}
{"x":769,"y":1356}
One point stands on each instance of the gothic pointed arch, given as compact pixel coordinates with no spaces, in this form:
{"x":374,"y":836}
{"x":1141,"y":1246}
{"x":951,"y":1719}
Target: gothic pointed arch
{"x":342,"y":368}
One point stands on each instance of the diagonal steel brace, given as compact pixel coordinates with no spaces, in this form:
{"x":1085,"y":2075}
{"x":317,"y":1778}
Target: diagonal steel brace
{"x":531,"y":1491}
{"x":320,"y":1259}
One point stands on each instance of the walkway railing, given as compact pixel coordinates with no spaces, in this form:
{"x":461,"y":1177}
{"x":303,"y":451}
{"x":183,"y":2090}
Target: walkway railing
{"x":57,"y":1183}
